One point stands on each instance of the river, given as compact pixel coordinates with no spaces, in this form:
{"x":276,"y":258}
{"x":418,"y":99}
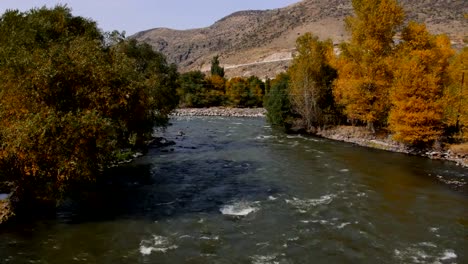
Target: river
{"x":233,"y":190}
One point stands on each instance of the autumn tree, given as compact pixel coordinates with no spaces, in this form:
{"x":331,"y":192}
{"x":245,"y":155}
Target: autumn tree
{"x":237,"y":91}
{"x":417,"y":109}
{"x":456,"y":96}
{"x":311,"y":79}
{"x":71,"y":100}
{"x":365,"y":76}
{"x":215,"y":88}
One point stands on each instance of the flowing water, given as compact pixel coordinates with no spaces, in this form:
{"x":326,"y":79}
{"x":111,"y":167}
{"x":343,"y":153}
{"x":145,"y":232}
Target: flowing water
{"x":232,"y":190}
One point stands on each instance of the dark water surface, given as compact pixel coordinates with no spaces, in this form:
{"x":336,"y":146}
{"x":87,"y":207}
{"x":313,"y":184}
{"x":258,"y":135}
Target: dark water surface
{"x":233,"y":190}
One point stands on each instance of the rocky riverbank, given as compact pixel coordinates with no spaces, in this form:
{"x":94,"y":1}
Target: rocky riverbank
{"x":363,"y":137}
{"x":221,"y":111}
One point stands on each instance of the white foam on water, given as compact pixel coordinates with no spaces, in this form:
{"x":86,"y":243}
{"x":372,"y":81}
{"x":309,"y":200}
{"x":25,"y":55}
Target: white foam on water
{"x":342,"y":225}
{"x":264,"y":137}
{"x":344,"y":170}
{"x":272,"y":198}
{"x":241,"y":208}
{"x":157,"y":244}
{"x":448,"y":254}
{"x":306,"y":204}
{"x":428,"y":244}
{"x":209,"y":238}
{"x":424,"y":254}
{"x":268,"y":259}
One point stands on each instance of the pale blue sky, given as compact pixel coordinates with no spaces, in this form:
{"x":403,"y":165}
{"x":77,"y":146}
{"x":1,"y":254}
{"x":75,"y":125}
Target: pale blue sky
{"x":137,"y":15}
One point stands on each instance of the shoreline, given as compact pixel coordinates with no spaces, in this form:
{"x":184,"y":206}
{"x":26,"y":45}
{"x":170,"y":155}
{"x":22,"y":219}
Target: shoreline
{"x":362,"y":137}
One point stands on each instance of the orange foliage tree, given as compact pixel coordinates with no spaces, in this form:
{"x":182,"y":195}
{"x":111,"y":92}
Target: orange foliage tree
{"x":417,"y":112}
{"x":364,"y":71}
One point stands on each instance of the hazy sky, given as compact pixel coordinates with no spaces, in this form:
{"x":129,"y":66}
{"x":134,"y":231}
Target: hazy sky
{"x":136,"y":15}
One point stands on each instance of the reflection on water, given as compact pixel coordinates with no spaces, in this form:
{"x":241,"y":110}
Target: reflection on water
{"x":233,"y":190}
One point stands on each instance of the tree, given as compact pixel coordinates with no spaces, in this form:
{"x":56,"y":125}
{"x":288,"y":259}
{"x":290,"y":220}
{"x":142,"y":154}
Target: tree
{"x":215,"y":68}
{"x":277,"y":102}
{"x":70,"y":100}
{"x":364,"y":71}
{"x":192,"y":89}
{"x":311,"y":79}
{"x":242,"y":92}
{"x":456,"y":95}
{"x":237,"y":91}
{"x":417,"y":110}
{"x":216,"y":86}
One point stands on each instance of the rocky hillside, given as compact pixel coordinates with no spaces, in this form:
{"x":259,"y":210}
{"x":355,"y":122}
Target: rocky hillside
{"x":262,"y":42}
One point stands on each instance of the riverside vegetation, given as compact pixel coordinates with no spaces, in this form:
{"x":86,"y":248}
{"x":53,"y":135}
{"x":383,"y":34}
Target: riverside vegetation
{"x":74,"y":100}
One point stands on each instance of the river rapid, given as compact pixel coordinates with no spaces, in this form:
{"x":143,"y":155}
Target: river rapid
{"x":234,"y":190}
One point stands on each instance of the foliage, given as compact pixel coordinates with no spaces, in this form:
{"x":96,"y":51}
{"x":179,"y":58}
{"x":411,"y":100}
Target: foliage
{"x":416,"y":95}
{"x":216,"y":86}
{"x":456,"y":95}
{"x":215,"y":68}
{"x":70,"y":99}
{"x":365,"y":75}
{"x":310,"y":89}
{"x":277,"y":102}
{"x":241,"y":92}
{"x":192,"y":89}
{"x":198,"y":90}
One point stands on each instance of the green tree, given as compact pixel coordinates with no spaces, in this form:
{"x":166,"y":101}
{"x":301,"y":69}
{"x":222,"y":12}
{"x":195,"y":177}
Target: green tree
{"x":192,"y":89}
{"x":216,"y":69}
{"x":277,"y":104}
{"x":311,"y":81}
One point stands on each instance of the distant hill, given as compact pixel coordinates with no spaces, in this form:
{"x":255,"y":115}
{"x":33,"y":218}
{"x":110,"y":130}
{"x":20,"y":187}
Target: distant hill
{"x":262,"y":42}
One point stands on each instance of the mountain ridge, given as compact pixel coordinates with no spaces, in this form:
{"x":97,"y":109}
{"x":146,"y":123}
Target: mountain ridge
{"x":250,"y":37}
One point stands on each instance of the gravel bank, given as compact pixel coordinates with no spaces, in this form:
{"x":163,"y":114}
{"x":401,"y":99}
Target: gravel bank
{"x":361,"y":136}
{"x":221,"y":111}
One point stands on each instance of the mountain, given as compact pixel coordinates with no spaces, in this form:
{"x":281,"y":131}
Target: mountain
{"x":261,"y":43}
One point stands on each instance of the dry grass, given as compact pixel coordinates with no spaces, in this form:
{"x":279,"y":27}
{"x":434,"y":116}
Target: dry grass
{"x":460,"y":149}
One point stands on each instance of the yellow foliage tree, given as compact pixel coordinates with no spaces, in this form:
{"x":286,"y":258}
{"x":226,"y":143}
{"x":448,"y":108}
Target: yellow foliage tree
{"x":417,"y":112}
{"x":364,"y":70}
{"x":216,"y":86}
{"x":456,"y":95}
